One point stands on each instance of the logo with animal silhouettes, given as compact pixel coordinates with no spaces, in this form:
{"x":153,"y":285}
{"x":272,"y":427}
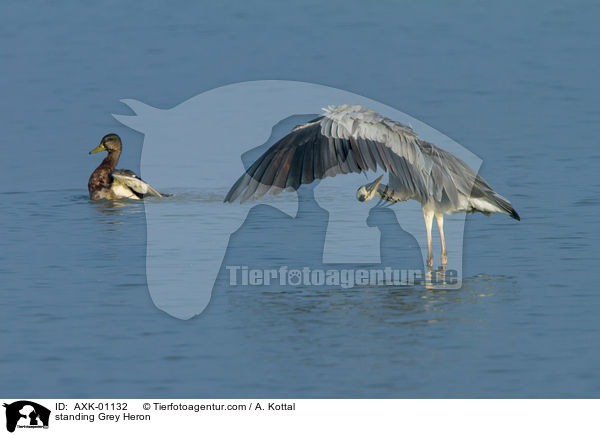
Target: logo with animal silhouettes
{"x":25,"y":414}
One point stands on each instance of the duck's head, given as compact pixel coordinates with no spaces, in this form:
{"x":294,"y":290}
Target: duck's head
{"x":367,"y":192}
{"x":111,"y":143}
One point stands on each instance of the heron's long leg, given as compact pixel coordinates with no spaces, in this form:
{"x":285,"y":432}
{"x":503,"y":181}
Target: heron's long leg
{"x":440,"y":222}
{"x":428,"y":215}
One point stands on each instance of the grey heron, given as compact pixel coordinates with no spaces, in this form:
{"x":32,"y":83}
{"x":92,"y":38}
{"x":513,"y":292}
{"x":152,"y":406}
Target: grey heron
{"x":347,"y":139}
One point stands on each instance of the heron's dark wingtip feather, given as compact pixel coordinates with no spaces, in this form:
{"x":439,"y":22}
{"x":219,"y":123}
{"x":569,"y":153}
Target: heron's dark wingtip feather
{"x":515,"y":215}
{"x":237,"y":188}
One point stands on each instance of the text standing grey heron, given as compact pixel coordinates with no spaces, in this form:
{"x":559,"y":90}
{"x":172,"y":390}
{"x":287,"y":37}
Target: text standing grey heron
{"x":349,"y":139}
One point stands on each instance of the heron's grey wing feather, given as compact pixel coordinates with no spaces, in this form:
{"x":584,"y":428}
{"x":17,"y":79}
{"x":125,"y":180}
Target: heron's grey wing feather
{"x":366,"y":154}
{"x":135,"y":183}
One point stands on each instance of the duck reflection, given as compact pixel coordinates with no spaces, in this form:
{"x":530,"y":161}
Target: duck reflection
{"x":112,"y":212}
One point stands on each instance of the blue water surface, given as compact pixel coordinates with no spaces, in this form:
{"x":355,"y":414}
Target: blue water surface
{"x":514,"y":82}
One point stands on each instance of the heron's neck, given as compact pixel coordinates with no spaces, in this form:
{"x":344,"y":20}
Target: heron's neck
{"x":387,"y":193}
{"x":383,"y":191}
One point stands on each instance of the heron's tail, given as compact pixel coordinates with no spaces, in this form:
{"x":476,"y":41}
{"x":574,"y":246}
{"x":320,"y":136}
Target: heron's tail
{"x":506,"y":206}
{"x":494,"y":203}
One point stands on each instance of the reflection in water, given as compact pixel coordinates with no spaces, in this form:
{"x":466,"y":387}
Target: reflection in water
{"x":111,"y":211}
{"x":365,"y":307}
{"x":442,"y":278}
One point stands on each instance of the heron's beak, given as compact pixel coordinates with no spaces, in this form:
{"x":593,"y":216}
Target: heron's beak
{"x":99,"y":148}
{"x":372,"y":187}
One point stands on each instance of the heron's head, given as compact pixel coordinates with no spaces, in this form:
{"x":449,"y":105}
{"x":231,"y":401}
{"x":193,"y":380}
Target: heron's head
{"x":111,"y":143}
{"x":367,"y":192}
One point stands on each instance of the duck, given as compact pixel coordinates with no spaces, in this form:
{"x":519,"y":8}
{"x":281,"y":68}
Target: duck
{"x":106,"y":182}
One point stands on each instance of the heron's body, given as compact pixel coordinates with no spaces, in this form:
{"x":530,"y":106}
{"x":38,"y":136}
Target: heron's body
{"x":106,"y":182}
{"x":353,"y":139}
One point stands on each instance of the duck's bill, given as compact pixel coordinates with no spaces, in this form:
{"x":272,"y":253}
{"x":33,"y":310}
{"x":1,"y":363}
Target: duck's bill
{"x":372,"y":186}
{"x":99,"y":148}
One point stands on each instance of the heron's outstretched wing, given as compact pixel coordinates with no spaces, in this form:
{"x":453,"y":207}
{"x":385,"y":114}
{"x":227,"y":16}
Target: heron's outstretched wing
{"x":353,"y":139}
{"x":135,"y":183}
{"x":345,"y":139}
